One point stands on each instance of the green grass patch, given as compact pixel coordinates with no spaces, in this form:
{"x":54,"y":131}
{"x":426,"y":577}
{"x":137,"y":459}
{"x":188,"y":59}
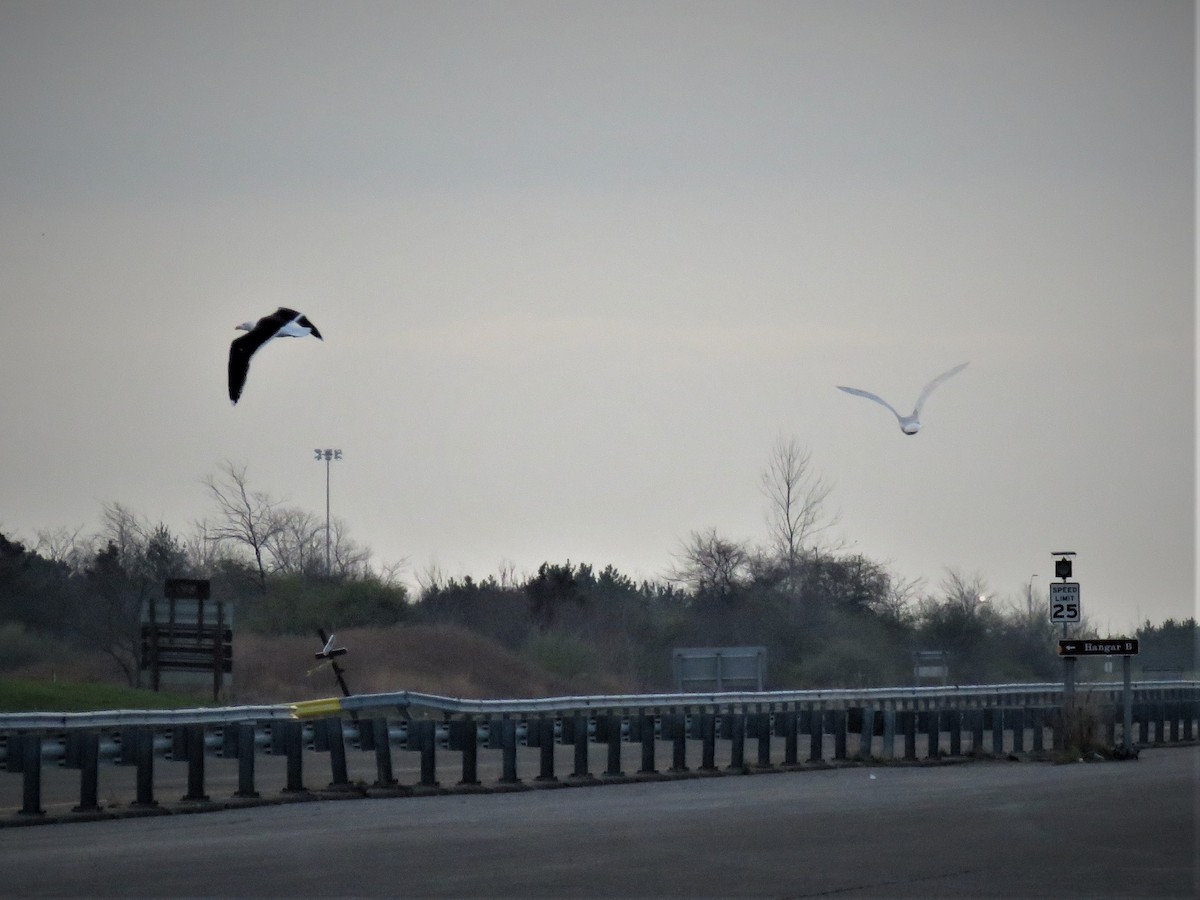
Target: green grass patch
{"x":64,"y":696}
{"x":559,"y":654}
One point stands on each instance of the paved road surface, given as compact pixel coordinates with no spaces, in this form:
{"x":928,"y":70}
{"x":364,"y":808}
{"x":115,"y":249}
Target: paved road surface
{"x":989,"y":829}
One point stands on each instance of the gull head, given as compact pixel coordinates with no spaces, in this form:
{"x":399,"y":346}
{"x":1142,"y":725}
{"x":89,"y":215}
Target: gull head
{"x":245,"y":326}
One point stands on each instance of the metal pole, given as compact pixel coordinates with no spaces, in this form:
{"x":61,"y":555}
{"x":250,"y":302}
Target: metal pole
{"x":329,"y":455}
{"x":1068,"y":674}
{"x":1127,"y":703}
{"x":328,"y":565}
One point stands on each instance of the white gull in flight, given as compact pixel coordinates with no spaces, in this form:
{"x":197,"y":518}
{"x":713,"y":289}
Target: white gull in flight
{"x":283,"y":322}
{"x":910,"y":424}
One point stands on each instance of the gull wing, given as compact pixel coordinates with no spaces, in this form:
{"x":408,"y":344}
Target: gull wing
{"x":240,"y":351}
{"x":870,"y":396}
{"x":929,"y":387}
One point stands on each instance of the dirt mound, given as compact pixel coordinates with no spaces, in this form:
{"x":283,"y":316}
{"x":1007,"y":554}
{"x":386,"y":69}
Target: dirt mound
{"x":432,"y":659}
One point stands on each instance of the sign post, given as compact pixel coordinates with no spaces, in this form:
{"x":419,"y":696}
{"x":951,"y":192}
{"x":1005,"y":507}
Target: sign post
{"x":1127,"y":705}
{"x":1126,"y":648}
{"x":1064,"y":608}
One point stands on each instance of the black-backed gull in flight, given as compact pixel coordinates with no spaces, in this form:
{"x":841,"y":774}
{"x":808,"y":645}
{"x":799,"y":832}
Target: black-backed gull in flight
{"x":283,"y":322}
{"x":910,"y":424}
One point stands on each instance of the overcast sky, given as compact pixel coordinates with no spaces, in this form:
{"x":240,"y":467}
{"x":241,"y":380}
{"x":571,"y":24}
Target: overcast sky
{"x":578,"y":265}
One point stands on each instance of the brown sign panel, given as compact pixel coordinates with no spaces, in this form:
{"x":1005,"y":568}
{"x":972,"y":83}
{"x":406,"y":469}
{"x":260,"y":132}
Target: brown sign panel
{"x":1099,"y":647}
{"x":186,"y":588}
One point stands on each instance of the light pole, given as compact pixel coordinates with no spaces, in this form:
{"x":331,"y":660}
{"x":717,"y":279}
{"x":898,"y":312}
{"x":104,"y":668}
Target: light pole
{"x":329,"y":456}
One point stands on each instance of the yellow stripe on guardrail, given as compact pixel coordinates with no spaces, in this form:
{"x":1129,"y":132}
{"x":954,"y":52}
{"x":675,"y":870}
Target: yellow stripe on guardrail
{"x":308,"y":709}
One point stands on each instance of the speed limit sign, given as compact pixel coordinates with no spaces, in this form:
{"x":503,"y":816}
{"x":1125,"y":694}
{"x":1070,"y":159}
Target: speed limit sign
{"x":1064,"y":601}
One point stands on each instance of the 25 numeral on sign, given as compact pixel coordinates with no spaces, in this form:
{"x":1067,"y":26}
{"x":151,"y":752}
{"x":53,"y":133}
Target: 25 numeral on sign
{"x":1064,"y":602}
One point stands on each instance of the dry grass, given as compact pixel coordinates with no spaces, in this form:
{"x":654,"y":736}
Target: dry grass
{"x":433,"y":659}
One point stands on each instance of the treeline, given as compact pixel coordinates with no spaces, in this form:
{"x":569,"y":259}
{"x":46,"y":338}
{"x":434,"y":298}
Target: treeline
{"x":827,"y":618}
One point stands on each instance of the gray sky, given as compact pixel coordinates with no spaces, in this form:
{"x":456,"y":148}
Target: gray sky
{"x":579,"y":264}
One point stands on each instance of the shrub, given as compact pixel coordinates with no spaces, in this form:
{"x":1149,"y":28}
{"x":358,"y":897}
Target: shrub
{"x":560,"y":654}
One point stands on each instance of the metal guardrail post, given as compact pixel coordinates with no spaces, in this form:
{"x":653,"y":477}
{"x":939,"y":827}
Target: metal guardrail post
{"x":647,"y":737}
{"x":128,"y":747}
{"x":508,"y":747}
{"x":31,"y":772}
{"x":789,"y":737}
{"x":933,"y":733}
{"x":816,"y":734}
{"x":612,"y":734}
{"x":763,"y":733}
{"x":194,"y":742}
{"x":708,"y":741}
{"x":293,"y":744}
{"x":976,"y":731}
{"x":336,"y":737}
{"x":427,"y":739}
{"x":143,"y":744}
{"x":470,"y":752}
{"x":677,"y":723}
{"x":910,"y":733}
{"x":580,"y":736}
{"x":381,"y":744}
{"x":839,"y":726}
{"x":89,"y":766}
{"x":866,"y":735}
{"x":737,"y":741}
{"x":245,"y":758}
{"x":545,"y":739}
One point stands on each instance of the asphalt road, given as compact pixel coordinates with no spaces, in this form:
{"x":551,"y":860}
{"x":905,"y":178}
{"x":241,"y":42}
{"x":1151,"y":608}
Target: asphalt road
{"x":984,"y":829}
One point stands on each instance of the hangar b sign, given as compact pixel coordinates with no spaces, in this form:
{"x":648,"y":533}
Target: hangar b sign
{"x":1097,"y":647}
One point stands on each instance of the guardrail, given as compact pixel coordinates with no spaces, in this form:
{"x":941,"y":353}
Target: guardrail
{"x":884,"y":724}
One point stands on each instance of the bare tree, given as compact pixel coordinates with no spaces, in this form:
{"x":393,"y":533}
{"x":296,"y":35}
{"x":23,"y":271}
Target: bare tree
{"x":710,"y":565}
{"x":67,"y":546}
{"x":967,"y":593}
{"x":297,"y":545}
{"x":350,"y":560}
{"x":202,"y":551}
{"x":796,"y":498}
{"x":900,"y":600}
{"x":246,"y":519}
{"x":431,"y":578}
